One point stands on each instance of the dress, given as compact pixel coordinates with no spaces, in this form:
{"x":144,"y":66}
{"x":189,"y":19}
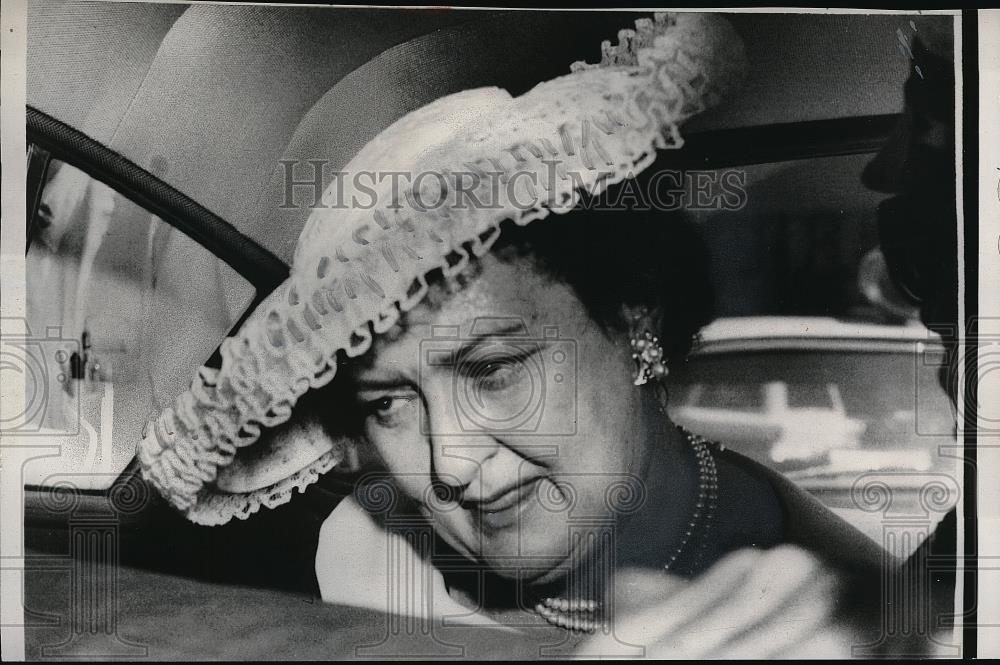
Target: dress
{"x":353,"y":570}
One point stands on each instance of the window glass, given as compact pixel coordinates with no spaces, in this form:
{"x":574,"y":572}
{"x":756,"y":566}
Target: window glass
{"x":732,"y":396}
{"x":794,"y":243}
{"x":834,"y":419}
{"x":886,"y":401}
{"x":788,"y":238}
{"x":809,"y":396}
{"x":122,"y":309}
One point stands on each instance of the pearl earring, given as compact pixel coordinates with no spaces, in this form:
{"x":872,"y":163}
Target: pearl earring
{"x":648,"y":355}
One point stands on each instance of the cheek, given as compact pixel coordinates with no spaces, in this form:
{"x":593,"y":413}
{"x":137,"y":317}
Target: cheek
{"x":404,"y":456}
{"x":607,"y":403}
{"x":601,"y":458}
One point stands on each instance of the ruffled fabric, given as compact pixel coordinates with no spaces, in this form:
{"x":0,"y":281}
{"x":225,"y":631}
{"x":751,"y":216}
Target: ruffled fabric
{"x":358,"y":267}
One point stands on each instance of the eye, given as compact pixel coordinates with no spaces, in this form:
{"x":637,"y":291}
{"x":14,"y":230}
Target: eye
{"x":381,"y":405}
{"x":389,"y":410}
{"x":499,"y":373}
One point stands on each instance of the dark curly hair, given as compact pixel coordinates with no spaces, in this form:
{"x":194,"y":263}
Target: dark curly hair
{"x":623,"y":255}
{"x":611,"y":255}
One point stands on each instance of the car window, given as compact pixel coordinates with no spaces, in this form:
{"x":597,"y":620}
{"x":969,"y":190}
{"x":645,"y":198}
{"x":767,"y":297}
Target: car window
{"x":122,"y":308}
{"x":731,"y":396}
{"x":788,"y":237}
{"x":891,"y":400}
{"x":892,"y":423}
{"x":803,"y":395}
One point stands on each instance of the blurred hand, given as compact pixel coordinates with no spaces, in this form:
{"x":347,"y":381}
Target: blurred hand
{"x":776,"y":603}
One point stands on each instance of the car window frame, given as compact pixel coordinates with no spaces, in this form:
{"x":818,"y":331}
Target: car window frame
{"x":51,"y":139}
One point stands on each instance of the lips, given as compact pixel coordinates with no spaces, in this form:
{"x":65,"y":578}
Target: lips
{"x":503,"y":508}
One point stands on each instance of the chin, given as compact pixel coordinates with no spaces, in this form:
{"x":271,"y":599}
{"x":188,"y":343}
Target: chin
{"x":532,"y":555}
{"x":536,"y":570}
{"x":539,"y":547}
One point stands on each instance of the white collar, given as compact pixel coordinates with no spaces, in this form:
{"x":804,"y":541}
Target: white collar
{"x":362,"y":564}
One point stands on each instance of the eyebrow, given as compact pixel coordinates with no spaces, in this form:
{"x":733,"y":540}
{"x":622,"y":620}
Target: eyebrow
{"x":390,"y":378}
{"x":472,"y":342}
{"x":509,"y":329}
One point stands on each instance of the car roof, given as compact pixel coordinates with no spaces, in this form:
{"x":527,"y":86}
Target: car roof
{"x":212,"y":97}
{"x":753,"y":333}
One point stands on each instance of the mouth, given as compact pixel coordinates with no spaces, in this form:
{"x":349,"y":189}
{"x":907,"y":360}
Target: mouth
{"x":503,"y":509}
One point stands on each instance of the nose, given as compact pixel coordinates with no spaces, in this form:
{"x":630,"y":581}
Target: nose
{"x":457,"y":455}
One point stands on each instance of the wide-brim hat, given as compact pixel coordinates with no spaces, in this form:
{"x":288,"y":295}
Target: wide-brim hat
{"x":471,"y":162}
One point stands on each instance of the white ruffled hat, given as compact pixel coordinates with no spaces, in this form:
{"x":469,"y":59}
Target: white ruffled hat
{"x":229,"y":444}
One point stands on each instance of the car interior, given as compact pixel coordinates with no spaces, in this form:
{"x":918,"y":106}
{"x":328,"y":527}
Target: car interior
{"x":169,"y":178}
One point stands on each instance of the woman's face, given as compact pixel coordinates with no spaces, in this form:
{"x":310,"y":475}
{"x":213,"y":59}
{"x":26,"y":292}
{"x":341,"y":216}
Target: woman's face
{"x":508,"y":417}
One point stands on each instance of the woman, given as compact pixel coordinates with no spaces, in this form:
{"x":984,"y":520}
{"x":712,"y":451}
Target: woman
{"x":503,"y":373}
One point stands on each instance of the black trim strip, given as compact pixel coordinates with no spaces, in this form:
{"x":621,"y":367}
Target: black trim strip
{"x":38,"y":166}
{"x":259,"y":266}
{"x":969,"y":355}
{"x":215,"y":360}
{"x":786,"y":142}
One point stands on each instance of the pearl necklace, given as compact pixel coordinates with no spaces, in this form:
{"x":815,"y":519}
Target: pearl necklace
{"x":579,"y":615}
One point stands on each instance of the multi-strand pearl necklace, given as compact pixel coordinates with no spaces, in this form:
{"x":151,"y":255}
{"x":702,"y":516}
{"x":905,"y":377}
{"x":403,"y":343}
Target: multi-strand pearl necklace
{"x":575,"y":615}
{"x":580,"y":615}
